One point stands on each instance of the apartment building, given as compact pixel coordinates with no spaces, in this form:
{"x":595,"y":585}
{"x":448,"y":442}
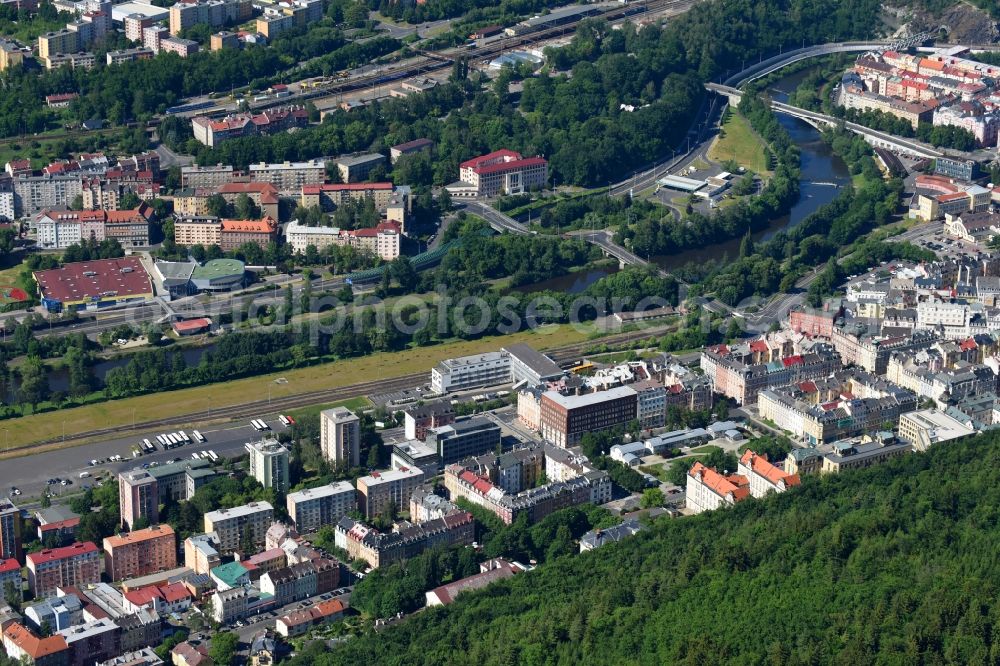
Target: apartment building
{"x":58,"y":229}
{"x":464,"y":481}
{"x":33,"y":194}
{"x":504,"y":172}
{"x":857,"y":346}
{"x":11,"y":54}
{"x":232,"y":525}
{"x":134,"y":25}
{"x":380,"y":491}
{"x":564,"y":419}
{"x":269,"y":464}
{"x":418,"y":420}
{"x":153,"y":35}
{"x":330,"y":195}
{"x":75,"y":565}
{"x":340,"y":437}
{"x":140,"y":552}
{"x":204,"y":231}
{"x":129,"y":55}
{"x":213,"y":13}
{"x":10,"y":530}
{"x":138,"y":497}
{"x":651,"y":403}
{"x":182,"y":47}
{"x":379,"y":549}
{"x":179,"y":480}
{"x":289,"y":177}
{"x":707,"y":490}
{"x":207,"y":176}
{"x":234,"y":233}
{"x":823,"y":412}
{"x":201,"y":553}
{"x":263,"y":195}
{"x":312,"y":508}
{"x":355,"y":168}
{"x":79,"y":60}
{"x":230,"y":605}
{"x":58,"y":42}
{"x":864,"y":452}
{"x":742,"y":371}
{"x":212,"y":132}
{"x":468,"y":372}
{"x":224,"y":39}
{"x":300,"y":581}
{"x":383,"y":240}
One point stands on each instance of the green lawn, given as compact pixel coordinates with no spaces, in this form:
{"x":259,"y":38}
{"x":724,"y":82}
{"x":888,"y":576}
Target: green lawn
{"x":356,"y":404}
{"x":708,"y":448}
{"x":740,"y":144}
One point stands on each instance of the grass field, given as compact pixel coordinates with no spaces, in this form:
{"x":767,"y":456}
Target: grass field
{"x":741,"y":145}
{"x":122,"y":413}
{"x":708,"y":448}
{"x":354,"y":404}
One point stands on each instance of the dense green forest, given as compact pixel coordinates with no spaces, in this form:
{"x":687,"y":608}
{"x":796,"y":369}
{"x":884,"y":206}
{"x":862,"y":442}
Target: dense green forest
{"x":889,"y":565}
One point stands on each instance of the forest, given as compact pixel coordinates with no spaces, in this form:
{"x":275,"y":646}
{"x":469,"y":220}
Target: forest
{"x":892,"y":564}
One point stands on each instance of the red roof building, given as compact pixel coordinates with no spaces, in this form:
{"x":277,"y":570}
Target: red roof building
{"x":764,"y":477}
{"x":504,"y":172}
{"x":97,"y":283}
{"x":78,"y":564}
{"x":20,"y":643}
{"x":708,"y":490}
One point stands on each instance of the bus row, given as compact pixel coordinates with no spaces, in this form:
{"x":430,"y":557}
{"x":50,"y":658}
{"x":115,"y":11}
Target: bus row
{"x":169,"y":441}
{"x":206,"y":455}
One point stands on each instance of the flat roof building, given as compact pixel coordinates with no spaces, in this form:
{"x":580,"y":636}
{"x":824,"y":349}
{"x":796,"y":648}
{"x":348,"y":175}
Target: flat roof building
{"x":340,"y":437}
{"x":565,"y":419}
{"x":233,"y":525}
{"x":312,"y":508}
{"x":380,"y":491}
{"x":94,"y":284}
{"x":928,"y":427}
{"x":469,"y":372}
{"x":531,"y":366}
{"x":140,"y":553}
{"x":269,"y":464}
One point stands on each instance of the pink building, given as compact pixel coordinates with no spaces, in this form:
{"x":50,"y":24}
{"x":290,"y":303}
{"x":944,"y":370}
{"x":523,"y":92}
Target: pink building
{"x":78,"y":564}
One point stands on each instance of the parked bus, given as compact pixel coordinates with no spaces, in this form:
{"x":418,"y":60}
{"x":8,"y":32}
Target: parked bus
{"x":184,"y":436}
{"x":284,"y":420}
{"x":213,"y":456}
{"x":198,"y":436}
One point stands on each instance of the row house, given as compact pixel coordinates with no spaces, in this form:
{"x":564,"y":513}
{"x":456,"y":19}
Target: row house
{"x":707,"y":489}
{"x":857,"y":346}
{"x":733,"y":372}
{"x":300,"y":581}
{"x":379,"y":549}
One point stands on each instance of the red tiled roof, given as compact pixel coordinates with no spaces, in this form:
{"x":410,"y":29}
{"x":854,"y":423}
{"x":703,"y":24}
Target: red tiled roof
{"x":265,"y":225}
{"x":968,"y":345}
{"x":268,"y":192}
{"x":495,"y":155}
{"x":344,"y":187}
{"x":10,"y":564}
{"x":792,"y":360}
{"x":144,"y":596}
{"x":53,"y":554}
{"x":758,"y":346}
{"x":191,"y":324}
{"x":720,"y":485}
{"x":32,"y":645}
{"x":761,"y":466}
{"x":60,"y":524}
{"x":511,"y":165}
{"x":174,"y":592}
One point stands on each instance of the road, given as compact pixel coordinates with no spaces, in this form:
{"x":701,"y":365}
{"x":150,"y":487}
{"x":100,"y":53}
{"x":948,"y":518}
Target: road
{"x":225,"y":440}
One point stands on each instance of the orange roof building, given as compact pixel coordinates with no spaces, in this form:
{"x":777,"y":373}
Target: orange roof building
{"x":764,"y":477}
{"x":708,"y":490}
{"x":21,"y":643}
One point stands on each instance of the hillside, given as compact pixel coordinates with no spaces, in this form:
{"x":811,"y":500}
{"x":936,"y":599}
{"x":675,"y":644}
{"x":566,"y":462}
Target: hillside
{"x":890,"y":565}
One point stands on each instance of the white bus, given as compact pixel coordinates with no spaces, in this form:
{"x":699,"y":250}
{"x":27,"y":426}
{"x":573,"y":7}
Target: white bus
{"x":284,"y":420}
{"x":184,"y":436}
{"x":198,"y":436}
{"x":259,"y":424}
{"x":213,"y":456}
{"x":162,"y":439}
{"x":147,"y":444}
{"x":195,"y":456}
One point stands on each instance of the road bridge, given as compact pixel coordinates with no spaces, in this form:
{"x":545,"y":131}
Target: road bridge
{"x":821,"y":120}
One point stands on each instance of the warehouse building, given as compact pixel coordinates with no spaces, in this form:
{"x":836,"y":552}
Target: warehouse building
{"x":94,"y":284}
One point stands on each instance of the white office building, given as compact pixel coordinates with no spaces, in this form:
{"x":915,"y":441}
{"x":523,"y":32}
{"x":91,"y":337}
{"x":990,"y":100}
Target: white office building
{"x":470,"y":372}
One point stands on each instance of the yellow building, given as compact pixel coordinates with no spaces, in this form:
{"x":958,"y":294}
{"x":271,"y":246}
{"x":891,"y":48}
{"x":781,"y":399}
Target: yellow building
{"x":60,"y":41}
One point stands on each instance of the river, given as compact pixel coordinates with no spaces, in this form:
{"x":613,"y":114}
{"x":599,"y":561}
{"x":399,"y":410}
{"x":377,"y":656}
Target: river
{"x":571,"y":283}
{"x":822,"y":176}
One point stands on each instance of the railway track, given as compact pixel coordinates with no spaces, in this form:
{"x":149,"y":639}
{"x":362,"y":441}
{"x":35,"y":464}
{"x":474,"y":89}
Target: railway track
{"x":256,"y":408}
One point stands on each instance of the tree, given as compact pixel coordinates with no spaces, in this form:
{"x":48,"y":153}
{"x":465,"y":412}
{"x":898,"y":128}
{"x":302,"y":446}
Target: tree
{"x":217,"y":206}
{"x":154,"y":335}
{"x":34,"y":382}
{"x":245,"y":209}
{"x":13,"y":595}
{"x":651,"y":498}
{"x":222,"y":651}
